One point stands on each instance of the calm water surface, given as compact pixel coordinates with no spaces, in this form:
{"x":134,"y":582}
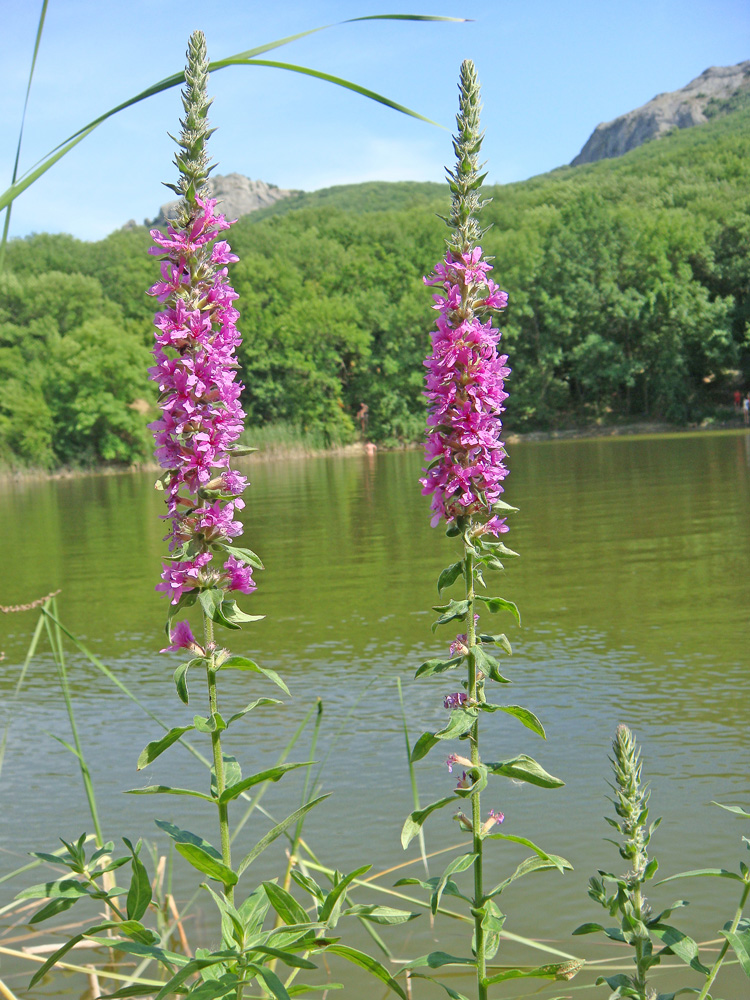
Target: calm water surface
{"x":634,"y":585}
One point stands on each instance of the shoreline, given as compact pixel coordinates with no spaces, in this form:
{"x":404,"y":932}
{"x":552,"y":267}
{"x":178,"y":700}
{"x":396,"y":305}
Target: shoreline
{"x":636,"y":430}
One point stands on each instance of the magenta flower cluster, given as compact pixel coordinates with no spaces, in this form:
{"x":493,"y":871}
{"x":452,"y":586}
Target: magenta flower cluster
{"x":465,"y":389}
{"x":201,"y":417}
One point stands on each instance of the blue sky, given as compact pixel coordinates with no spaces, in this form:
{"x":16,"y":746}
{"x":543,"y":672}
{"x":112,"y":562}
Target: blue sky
{"x":551,"y":71}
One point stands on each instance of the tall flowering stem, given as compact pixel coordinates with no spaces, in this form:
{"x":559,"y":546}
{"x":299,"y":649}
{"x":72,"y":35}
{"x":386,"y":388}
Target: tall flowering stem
{"x":465,"y":455}
{"x":201,"y":416}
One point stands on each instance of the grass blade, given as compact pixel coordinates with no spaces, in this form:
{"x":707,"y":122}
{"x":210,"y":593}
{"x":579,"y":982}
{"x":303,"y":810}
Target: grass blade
{"x":246,"y":58}
{"x":6,"y":224}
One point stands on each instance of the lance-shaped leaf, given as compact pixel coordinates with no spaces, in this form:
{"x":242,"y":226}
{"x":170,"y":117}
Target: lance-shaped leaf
{"x":552,"y":859}
{"x":495,"y":604}
{"x":379,"y":914}
{"x":277,"y":830}
{"x":487,"y":664}
{"x":157,"y":747}
{"x":529,"y":865}
{"x":703,"y":873}
{"x":460,"y":722}
{"x":451,"y":889}
{"x":558,"y":971}
{"x":272,"y":774}
{"x":368,"y":963}
{"x":437,"y":959}
{"x":523,"y":768}
{"x":139,"y":893}
{"x":70,"y":943}
{"x":739,"y":940}
{"x":248,"y":708}
{"x":207,"y":863}
{"x":681,"y":945}
{"x":329,"y":911}
{"x":438,"y":666}
{"x":459,"y":864}
{"x":737,"y":810}
{"x":233,"y":615}
{"x":243,"y":663}
{"x":453,"y":611}
{"x":415,"y":821}
{"x":170,"y":988}
{"x":287,"y":907}
{"x":54,"y":907}
{"x":244,"y":555}
{"x":524,"y":716}
{"x":168,"y":790}
{"x":66,"y":888}
{"x":453,"y":994}
{"x":449,"y":575}
{"x":500,"y":640}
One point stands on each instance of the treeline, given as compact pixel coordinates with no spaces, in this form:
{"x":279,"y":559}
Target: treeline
{"x":629,"y":284}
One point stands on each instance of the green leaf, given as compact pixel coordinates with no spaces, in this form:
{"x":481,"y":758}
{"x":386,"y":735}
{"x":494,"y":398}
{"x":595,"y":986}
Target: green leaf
{"x":286,"y":956}
{"x":460,"y":722}
{"x":681,"y":945}
{"x":740,"y":942}
{"x":437,"y":959}
{"x":524,"y":768}
{"x":287,"y":907}
{"x":168,"y":790}
{"x":244,"y":555}
{"x":135,"y":930}
{"x":42,"y":971}
{"x":500,"y":640}
{"x":190,"y":968}
{"x":454,"y":610}
{"x":532,"y":846}
{"x":414,"y":822}
{"x":180,"y":681}
{"x":186,"y":837}
{"x":243,"y":663}
{"x":139,"y":893}
{"x":272,"y":774}
{"x":272,"y":981}
{"x":213,"y":724}
{"x":449,"y":575}
{"x":66,"y":888}
{"x":453,"y":994}
{"x":530,"y":865}
{"x":737,"y":810}
{"x":368,"y":963}
{"x":328,"y":913}
{"x":459,"y":864}
{"x":703,"y":872}
{"x":248,"y":708}
{"x":207,"y":864}
{"x":54,"y":907}
{"x":587,"y":929}
{"x":524,"y":716}
{"x":438,"y":666}
{"x":495,"y":604}
{"x":232,"y":614}
{"x":277,"y":831}
{"x":157,"y":747}
{"x":558,"y":971}
{"x":487,"y":664}
{"x":380,"y":914}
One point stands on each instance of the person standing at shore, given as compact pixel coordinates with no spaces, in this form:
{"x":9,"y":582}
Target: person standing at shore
{"x":746,"y":410}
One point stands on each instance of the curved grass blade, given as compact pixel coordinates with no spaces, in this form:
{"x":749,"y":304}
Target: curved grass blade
{"x":6,"y":224}
{"x":177,"y":79}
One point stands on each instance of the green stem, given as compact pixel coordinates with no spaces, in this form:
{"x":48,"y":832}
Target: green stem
{"x":226,"y":848}
{"x":476,"y":810}
{"x":725,"y":947}
{"x":55,"y":639}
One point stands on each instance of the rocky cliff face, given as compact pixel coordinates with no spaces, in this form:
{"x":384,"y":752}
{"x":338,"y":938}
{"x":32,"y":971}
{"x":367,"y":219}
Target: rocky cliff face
{"x":692,"y":105}
{"x":236,"y":195}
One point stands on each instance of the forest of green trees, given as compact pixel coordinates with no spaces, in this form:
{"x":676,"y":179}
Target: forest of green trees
{"x":629,"y":285}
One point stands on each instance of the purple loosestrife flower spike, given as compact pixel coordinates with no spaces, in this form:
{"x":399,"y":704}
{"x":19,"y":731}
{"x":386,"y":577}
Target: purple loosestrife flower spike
{"x":196,"y":367}
{"x":465,"y":380}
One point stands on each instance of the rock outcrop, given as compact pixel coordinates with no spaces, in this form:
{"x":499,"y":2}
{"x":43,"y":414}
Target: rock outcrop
{"x":692,"y":105}
{"x":236,"y":194}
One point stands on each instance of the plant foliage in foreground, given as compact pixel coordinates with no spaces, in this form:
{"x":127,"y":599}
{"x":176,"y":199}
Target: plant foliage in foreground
{"x":465,"y":390}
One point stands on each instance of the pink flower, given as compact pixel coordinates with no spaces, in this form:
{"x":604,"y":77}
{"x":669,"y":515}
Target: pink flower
{"x":201,"y":418}
{"x":465,"y":388}
{"x":182,"y":638}
{"x":456,"y":700}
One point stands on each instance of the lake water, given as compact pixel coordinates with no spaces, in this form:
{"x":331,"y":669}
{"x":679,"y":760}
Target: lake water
{"x":634,"y":586}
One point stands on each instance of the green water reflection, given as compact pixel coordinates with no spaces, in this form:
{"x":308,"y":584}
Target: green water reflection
{"x":634,"y":585}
